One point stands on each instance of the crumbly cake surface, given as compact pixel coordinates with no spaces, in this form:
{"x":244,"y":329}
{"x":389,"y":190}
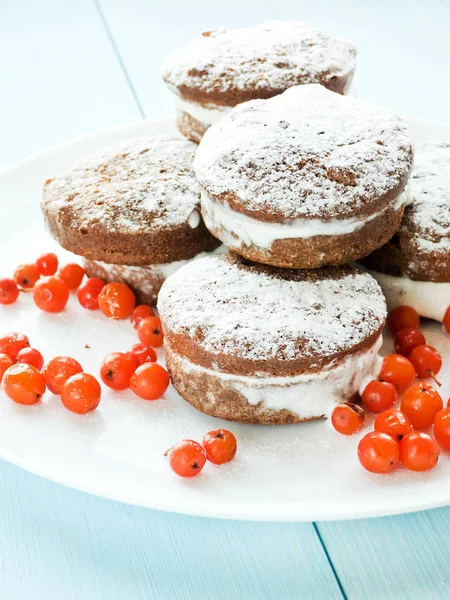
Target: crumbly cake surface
{"x":228,"y":306}
{"x":307,"y":153}
{"x":230,"y":66}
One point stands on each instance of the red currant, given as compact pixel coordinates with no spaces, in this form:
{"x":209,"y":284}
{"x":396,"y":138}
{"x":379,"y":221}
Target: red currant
{"x":393,"y":423}
{"x":11,"y":343}
{"x":31,"y":356}
{"x":347,"y":418}
{"x":220,"y":446}
{"x":150,"y":332}
{"x":24,"y":384}
{"x":57,"y":371}
{"x":379,"y":396}
{"x":116,"y":370}
{"x":142,"y":354}
{"x":139,"y":313}
{"x":442,"y":428}
{"x":426,"y":360}
{"x":47,"y":264}
{"x":81,"y":393}
{"x":88,"y":293}
{"x":26,"y":276}
{"x":446,"y":320}
{"x":5,"y":362}
{"x":398,"y":370}
{"x":116,"y":300}
{"x":378,"y":452}
{"x":51,"y":294}
{"x":403,"y":317}
{"x":72,"y":274}
{"x":407,"y":339}
{"x":419,"y":451}
{"x":9,"y":292}
{"x":421,"y":403}
{"x":149,"y":381}
{"x":187,"y":458}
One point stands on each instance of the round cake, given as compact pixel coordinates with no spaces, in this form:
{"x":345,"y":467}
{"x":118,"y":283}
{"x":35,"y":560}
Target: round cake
{"x":305,"y":179}
{"x":256,"y":344}
{"x":221,"y":69}
{"x":413,"y":268}
{"x":132,"y":211}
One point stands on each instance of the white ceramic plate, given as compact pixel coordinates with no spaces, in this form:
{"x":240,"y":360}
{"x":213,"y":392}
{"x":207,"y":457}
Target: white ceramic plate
{"x":298,"y":472}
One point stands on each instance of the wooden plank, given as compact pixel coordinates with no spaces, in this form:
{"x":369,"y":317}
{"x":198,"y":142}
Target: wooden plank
{"x":60,"y":76}
{"x":392,"y":558}
{"x":58,"y":543}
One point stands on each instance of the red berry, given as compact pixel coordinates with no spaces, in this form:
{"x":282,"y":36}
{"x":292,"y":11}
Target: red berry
{"x":419,"y":451}
{"x":403,"y":317}
{"x":24,"y":384}
{"x":442,"y":428}
{"x":116,"y":300}
{"x":57,"y":371}
{"x":378,"y":452}
{"x":139,"y":313}
{"x":426,"y":360}
{"x":5,"y":362}
{"x":421,"y":403}
{"x":81,"y":393}
{"x":393,"y":423}
{"x":150,"y":332}
{"x":187,"y":458}
{"x":31,"y":356}
{"x":72,"y":274}
{"x":47,"y":264}
{"x":398,"y":370}
{"x":149,"y":381}
{"x":220,"y":446}
{"x":51,"y":294}
{"x":446,"y":320}
{"x":11,"y":343}
{"x":379,"y":396}
{"x":142,"y":354}
{"x":347,"y":418}
{"x":26,"y":276}
{"x":407,"y":339}
{"x":116,"y":370}
{"x":9,"y":292}
{"x":88,"y":293}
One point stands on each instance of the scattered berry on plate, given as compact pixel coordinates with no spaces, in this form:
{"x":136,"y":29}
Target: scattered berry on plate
{"x":116,"y":300}
{"x":446,"y":320}
{"x":26,"y":276}
{"x":58,"y":370}
{"x":31,"y":356}
{"x":116,"y":370}
{"x":442,"y":428}
{"x":150,"y":332}
{"x":47,"y":264}
{"x":9,"y":292}
{"x":398,"y":370}
{"x":139,"y":313}
{"x":403,"y":317}
{"x":150,"y":381}
{"x":220,"y":446}
{"x":11,"y":343}
{"x":72,"y":274}
{"x":407,"y":339}
{"x":379,"y":396}
{"x":51,"y":294}
{"x":88,"y":293}
{"x":419,"y":451}
{"x":187,"y":458}
{"x":5,"y":362}
{"x":142,"y":353}
{"x":394,"y":423}
{"x":347,"y":418}
{"x":378,"y":452}
{"x":427,"y":361}
{"x":24,"y":384}
{"x":81,"y":393}
{"x":421,"y":403}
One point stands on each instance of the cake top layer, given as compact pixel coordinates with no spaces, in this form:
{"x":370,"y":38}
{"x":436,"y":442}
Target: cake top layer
{"x":307,"y":153}
{"x":427,"y":219}
{"x":129,"y":188}
{"x":230,"y":66}
{"x":228,"y":306}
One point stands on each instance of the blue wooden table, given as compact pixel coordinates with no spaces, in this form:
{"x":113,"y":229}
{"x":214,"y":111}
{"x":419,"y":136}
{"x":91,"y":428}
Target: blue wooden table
{"x":69,"y":68}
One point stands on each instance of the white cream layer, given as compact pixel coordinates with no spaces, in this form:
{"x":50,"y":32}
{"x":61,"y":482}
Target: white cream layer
{"x":205,"y":114}
{"x":236,"y":229}
{"x":307,"y":396}
{"x":429,"y":298}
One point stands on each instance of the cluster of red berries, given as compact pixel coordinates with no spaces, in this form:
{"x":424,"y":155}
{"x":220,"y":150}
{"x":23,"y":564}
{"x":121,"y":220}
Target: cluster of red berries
{"x":25,"y":378}
{"x":395,"y":439}
{"x":187,"y":458}
{"x":136,"y":369}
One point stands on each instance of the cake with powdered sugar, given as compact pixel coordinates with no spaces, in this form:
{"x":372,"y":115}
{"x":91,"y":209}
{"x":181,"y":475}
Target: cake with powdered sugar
{"x":305,"y":179}
{"x":253,"y":343}
{"x":135,"y":205}
{"x":223,"y":68}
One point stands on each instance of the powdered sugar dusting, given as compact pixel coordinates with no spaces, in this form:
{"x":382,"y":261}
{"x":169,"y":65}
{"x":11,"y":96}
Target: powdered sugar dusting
{"x":274,"y":55}
{"x":306,"y":153}
{"x":427,"y":219}
{"x":129,"y":187}
{"x":247,"y":311}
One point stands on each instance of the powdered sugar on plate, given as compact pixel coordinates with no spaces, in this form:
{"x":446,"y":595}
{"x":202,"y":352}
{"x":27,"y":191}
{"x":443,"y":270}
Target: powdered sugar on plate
{"x":273,"y":55}
{"x":307,"y":153}
{"x":259,"y":313}
{"x":129,"y":187}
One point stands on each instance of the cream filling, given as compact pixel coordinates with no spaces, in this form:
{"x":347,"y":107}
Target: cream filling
{"x":205,"y":114}
{"x":307,"y":395}
{"x":431,"y":299}
{"x":237,"y":229}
